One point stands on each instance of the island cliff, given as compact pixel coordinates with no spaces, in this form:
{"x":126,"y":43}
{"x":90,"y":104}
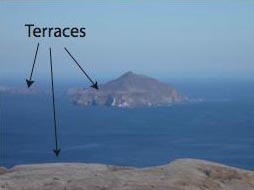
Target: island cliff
{"x":129,"y":90}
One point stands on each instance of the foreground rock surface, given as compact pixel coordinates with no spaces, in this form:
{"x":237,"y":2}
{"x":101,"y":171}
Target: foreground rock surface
{"x":3,"y":170}
{"x":182,"y":174}
{"x":129,"y":90}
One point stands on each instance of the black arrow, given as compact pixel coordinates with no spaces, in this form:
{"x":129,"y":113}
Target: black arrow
{"x":29,"y":81}
{"x":94,"y":84}
{"x":56,"y":150}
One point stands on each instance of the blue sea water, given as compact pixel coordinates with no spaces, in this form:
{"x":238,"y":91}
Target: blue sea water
{"x":218,"y":125}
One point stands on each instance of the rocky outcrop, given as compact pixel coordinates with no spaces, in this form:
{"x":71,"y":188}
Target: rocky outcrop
{"x":182,"y":174}
{"x":129,"y":90}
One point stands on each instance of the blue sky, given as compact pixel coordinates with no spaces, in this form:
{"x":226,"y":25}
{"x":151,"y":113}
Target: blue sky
{"x":167,"y":39}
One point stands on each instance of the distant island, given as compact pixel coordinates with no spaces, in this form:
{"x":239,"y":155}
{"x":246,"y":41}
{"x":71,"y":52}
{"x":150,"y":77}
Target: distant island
{"x":19,"y":90}
{"x":129,"y":90}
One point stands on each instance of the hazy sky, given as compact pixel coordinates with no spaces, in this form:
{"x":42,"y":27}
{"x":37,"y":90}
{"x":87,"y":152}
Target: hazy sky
{"x":167,"y":39}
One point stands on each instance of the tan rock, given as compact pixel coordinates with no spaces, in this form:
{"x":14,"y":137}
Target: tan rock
{"x":183,"y":174}
{"x":3,"y":170}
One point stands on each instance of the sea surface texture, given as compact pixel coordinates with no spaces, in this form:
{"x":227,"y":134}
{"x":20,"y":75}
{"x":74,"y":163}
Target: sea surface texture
{"x":217,"y":124}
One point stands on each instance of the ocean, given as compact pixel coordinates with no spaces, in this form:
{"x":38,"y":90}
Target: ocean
{"x":216,"y":125}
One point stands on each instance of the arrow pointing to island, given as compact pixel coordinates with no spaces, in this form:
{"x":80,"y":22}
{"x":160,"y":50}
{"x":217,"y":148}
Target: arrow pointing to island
{"x":94,"y":84}
{"x":56,"y":150}
{"x":29,"y":81}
